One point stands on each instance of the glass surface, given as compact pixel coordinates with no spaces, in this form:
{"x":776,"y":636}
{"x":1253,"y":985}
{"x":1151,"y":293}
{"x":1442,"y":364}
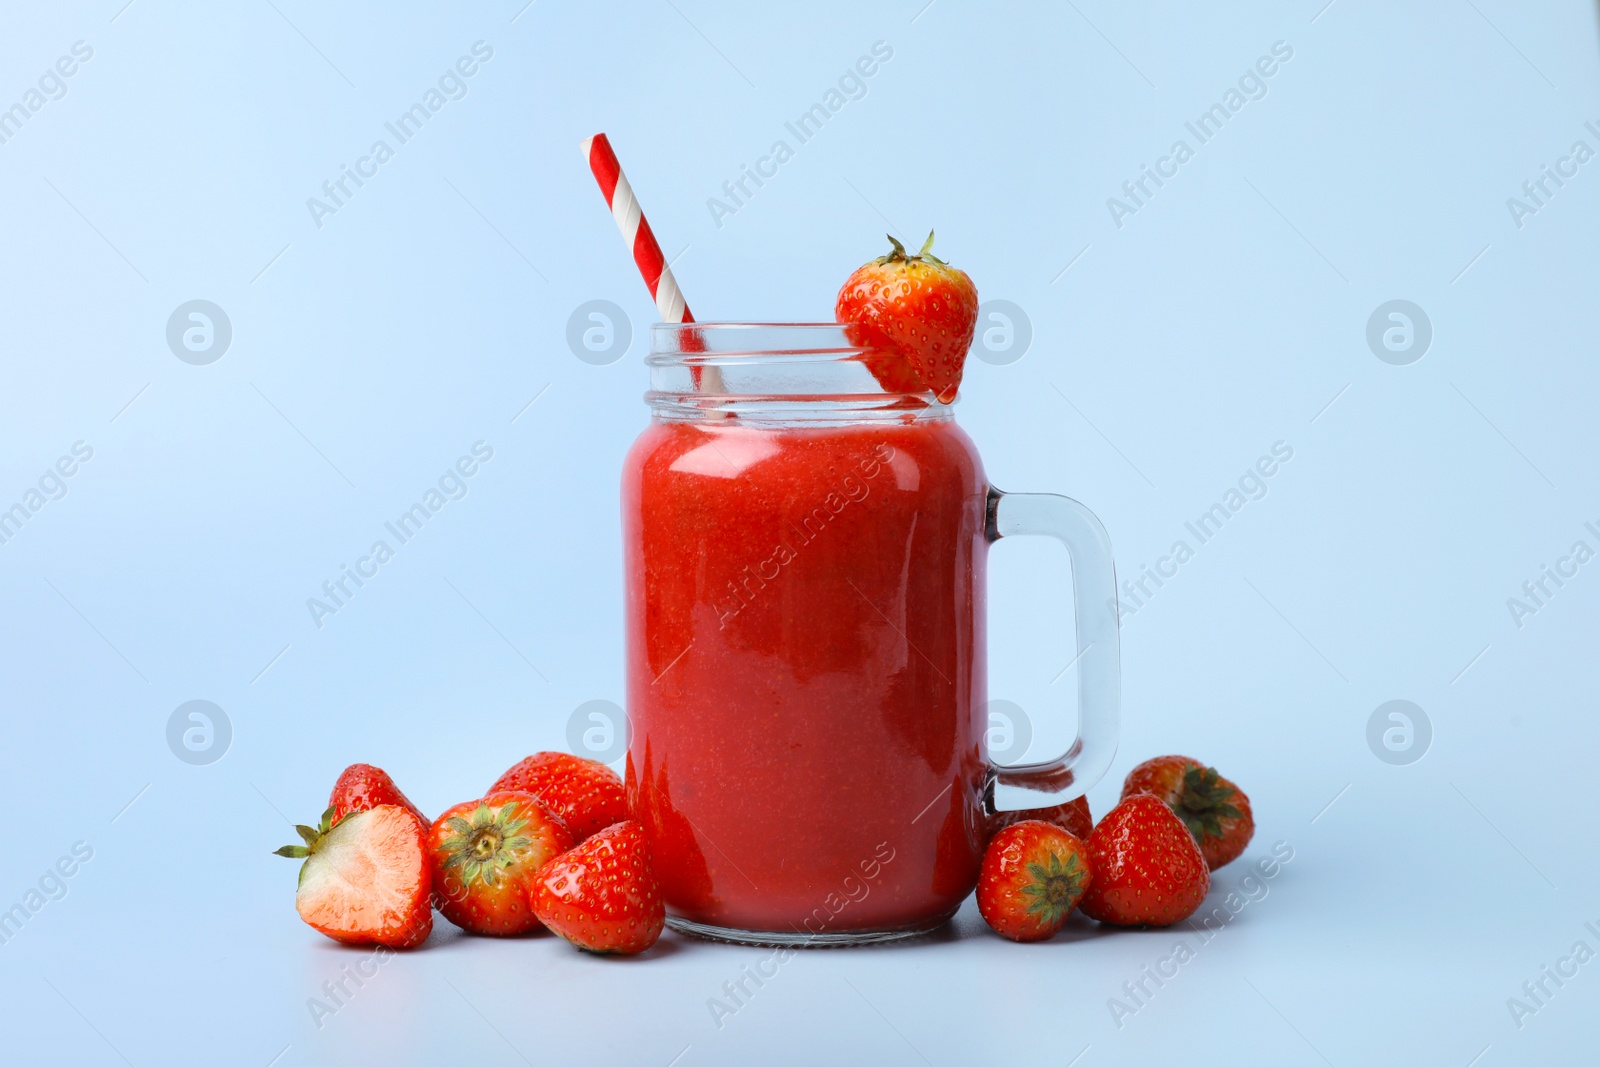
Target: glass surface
{"x":805,"y":562}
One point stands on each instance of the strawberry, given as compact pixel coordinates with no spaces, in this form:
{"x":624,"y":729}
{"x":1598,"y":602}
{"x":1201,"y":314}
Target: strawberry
{"x":1073,"y":817}
{"x":891,"y":369}
{"x":915,"y":315}
{"x":485,"y":854}
{"x":1214,"y":809}
{"x":363,"y":786}
{"x":365,"y":881}
{"x":603,"y":895}
{"x":586,"y":795}
{"x":1033,"y":875}
{"x":1148,"y":870}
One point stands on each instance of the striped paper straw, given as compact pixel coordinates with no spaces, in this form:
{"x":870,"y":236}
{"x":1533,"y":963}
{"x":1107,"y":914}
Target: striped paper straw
{"x":635,"y":229}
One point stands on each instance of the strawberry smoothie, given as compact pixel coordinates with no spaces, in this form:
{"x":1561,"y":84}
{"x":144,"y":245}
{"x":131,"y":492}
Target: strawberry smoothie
{"x":805,"y":670}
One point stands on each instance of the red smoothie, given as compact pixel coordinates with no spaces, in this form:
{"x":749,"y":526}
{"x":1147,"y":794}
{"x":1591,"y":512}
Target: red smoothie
{"x":805,"y":669}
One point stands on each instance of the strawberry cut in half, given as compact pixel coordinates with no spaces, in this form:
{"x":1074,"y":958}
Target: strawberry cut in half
{"x":603,"y":895}
{"x":914,"y":317}
{"x":485,"y":854}
{"x":1033,"y":875}
{"x":365,"y":881}
{"x":584,"y":794}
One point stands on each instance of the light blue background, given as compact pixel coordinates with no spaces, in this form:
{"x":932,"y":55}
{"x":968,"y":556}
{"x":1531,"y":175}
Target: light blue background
{"x":368,"y":354}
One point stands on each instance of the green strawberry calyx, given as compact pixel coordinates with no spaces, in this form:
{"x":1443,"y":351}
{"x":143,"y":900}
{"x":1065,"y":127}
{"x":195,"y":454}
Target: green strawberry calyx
{"x":1204,"y":802}
{"x":486,"y":844}
{"x":312,"y":836}
{"x":1055,"y":887}
{"x":899,"y":255}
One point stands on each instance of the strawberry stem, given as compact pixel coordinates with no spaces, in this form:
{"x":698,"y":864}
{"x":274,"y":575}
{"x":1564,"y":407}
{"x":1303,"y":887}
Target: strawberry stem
{"x":1204,"y":802}
{"x":899,"y":255}
{"x":311,"y":837}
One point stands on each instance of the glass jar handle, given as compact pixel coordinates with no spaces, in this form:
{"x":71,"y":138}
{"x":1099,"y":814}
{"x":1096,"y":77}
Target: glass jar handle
{"x":1094,"y":585}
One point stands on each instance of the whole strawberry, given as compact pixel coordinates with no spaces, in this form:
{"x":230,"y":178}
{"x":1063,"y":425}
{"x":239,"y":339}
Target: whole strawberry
{"x":1148,"y":870}
{"x":1033,"y":875}
{"x":603,"y":896}
{"x":916,"y":316}
{"x":1073,"y":817}
{"x":363,"y":786}
{"x":365,"y":881}
{"x":1214,"y":809}
{"x":586,"y":795}
{"x":485,"y":854}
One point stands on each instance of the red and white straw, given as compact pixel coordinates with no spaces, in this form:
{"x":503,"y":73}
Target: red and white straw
{"x":635,"y":229}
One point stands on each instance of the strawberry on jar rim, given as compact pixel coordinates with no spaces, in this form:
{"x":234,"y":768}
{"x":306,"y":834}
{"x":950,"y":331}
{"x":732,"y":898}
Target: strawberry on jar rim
{"x":915,"y":316}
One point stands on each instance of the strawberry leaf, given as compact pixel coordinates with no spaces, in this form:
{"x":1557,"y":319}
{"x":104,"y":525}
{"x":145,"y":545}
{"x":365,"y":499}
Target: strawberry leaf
{"x":1203,"y":802}
{"x":1055,"y":886}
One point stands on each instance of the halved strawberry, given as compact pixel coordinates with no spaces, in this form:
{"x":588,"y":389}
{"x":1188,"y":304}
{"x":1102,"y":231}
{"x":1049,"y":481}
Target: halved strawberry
{"x":586,"y":795}
{"x":362,"y":786}
{"x":365,"y":881}
{"x":603,"y":895}
{"x":485,"y":854}
{"x":1214,"y":809}
{"x":1033,"y":875}
{"x":1148,"y":870}
{"x":914,"y":317}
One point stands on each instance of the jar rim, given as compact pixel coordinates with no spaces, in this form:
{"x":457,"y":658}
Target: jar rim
{"x":774,"y":372}
{"x":735,"y":324}
{"x":702,"y":342}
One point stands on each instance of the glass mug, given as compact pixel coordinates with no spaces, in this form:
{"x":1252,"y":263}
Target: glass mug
{"x":806,"y":673}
